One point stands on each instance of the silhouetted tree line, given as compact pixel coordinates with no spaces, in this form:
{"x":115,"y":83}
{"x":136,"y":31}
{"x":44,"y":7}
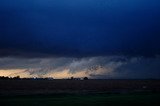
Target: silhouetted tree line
{"x":18,"y":78}
{"x":85,"y":78}
{"x":7,"y":78}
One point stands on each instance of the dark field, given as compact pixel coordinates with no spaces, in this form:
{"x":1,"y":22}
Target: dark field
{"x":82,"y":86}
{"x":79,"y":92}
{"x":84,"y":100}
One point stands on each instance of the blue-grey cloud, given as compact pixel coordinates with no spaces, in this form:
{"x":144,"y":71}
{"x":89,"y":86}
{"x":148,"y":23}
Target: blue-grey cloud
{"x":94,"y":67}
{"x":79,"y":28}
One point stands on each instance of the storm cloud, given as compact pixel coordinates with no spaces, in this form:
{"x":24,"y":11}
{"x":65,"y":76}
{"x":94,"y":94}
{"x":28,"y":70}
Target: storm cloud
{"x":93,"y":38}
{"x":79,"y":28}
{"x":92,"y":67}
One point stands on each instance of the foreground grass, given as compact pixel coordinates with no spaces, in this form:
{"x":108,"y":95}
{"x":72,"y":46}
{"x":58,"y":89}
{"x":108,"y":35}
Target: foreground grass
{"x":83,"y":100}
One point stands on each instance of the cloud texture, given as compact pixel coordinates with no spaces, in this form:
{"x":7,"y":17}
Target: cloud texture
{"x":93,"y":67}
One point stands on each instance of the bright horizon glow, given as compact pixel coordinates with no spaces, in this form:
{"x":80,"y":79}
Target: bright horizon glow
{"x":56,"y":75}
{"x":53,"y":74}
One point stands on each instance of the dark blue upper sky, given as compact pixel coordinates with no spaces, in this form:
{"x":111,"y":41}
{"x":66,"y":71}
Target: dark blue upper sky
{"x":79,"y":27}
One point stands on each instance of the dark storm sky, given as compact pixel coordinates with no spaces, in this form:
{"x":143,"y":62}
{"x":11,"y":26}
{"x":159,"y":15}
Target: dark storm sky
{"x":79,"y":28}
{"x":94,"y":38}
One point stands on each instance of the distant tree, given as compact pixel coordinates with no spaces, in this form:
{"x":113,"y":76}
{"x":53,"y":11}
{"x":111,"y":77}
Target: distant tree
{"x":85,"y":78}
{"x":17,"y":77}
{"x":72,"y":78}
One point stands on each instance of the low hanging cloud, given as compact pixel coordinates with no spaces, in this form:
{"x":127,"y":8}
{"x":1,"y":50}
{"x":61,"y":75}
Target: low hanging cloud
{"x":92,"y":67}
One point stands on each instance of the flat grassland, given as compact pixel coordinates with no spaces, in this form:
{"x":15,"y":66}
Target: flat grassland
{"x":79,"y":92}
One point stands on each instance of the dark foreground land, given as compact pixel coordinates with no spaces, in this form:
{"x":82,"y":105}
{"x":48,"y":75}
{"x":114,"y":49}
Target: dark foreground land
{"x":79,"y":92}
{"x":83,"y":100}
